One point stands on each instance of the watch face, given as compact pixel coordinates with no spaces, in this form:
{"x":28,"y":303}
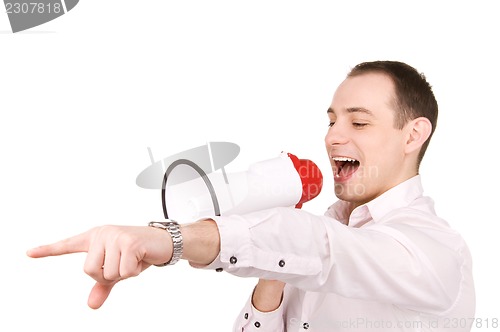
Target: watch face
{"x":156,"y":224}
{"x":162,"y":224}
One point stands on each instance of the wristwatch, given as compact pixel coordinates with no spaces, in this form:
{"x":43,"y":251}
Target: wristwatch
{"x":173,"y":228}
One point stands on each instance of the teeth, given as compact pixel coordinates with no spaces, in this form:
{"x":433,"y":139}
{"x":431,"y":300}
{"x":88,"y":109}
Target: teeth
{"x":344,"y":159}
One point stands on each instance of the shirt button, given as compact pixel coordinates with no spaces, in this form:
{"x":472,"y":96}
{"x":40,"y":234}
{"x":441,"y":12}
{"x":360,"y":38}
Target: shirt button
{"x":281,"y":263}
{"x":246,"y":315}
{"x":257,"y":324}
{"x":233,"y":260}
{"x":305,"y":326}
{"x":219,"y":269}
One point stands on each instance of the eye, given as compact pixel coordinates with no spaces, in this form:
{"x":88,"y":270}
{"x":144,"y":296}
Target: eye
{"x":331,"y":124}
{"x":359,"y":125}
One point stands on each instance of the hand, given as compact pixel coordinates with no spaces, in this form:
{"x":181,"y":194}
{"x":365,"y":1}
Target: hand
{"x":267,"y":295}
{"x":114,"y":253}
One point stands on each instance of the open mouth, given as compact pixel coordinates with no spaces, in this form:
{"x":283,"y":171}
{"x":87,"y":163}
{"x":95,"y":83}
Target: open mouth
{"x":345,"y":167}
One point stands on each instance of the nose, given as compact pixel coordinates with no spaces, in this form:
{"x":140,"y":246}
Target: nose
{"x":336,"y":135}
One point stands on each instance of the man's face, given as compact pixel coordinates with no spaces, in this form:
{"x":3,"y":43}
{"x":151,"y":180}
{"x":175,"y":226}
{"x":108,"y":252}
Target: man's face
{"x":366,"y":150}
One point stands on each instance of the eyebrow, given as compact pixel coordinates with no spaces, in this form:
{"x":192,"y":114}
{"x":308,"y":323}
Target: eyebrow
{"x":353,"y":110}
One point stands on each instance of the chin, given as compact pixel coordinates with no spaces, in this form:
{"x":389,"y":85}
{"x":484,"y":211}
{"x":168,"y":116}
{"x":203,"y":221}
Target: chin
{"x":347,"y":192}
{"x":353,"y":192}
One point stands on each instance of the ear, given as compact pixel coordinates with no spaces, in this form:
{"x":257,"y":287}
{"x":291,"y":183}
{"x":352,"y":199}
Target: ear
{"x":418,"y":132}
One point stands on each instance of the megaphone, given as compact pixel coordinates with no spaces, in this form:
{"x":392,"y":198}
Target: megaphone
{"x":188,"y":193}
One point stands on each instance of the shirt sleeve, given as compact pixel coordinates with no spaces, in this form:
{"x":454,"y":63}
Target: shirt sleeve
{"x":251,"y":319}
{"x":318,"y":253}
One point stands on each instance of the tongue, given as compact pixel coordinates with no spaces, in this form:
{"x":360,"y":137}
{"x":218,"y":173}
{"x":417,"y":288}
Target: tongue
{"x":348,"y":169}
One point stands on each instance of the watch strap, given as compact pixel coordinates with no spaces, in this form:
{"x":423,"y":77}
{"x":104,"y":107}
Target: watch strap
{"x":173,"y":228}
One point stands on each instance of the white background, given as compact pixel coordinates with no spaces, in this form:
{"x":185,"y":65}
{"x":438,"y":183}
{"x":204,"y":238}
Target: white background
{"x":83,"y":96}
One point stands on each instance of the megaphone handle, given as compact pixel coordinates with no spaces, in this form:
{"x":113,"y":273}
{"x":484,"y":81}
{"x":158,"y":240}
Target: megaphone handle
{"x":203,"y":176}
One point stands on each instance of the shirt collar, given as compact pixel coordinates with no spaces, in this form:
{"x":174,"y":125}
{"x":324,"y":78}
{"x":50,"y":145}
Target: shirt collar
{"x":399,"y":196}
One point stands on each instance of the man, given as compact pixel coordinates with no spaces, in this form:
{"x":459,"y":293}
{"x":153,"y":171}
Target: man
{"x":379,"y":259}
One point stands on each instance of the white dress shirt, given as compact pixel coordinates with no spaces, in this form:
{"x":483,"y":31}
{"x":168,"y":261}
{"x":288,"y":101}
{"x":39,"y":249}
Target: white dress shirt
{"x":392,"y":265}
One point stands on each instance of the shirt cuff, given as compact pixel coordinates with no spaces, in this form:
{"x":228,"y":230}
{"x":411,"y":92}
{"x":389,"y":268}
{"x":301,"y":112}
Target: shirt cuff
{"x":251,"y":319}
{"x":235,"y":244}
{"x":216,"y":265}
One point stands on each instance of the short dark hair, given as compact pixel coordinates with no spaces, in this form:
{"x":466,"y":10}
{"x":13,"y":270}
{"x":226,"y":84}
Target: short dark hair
{"x":414,"y":95}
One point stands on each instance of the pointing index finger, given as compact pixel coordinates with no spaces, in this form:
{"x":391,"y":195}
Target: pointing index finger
{"x":78,"y":243}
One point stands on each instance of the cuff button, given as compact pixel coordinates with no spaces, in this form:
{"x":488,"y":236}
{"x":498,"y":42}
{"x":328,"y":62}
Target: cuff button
{"x":233,"y":260}
{"x":281,"y":263}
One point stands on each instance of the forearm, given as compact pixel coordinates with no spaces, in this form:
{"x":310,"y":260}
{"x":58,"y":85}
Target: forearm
{"x":202,"y":246}
{"x":201,"y":242}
